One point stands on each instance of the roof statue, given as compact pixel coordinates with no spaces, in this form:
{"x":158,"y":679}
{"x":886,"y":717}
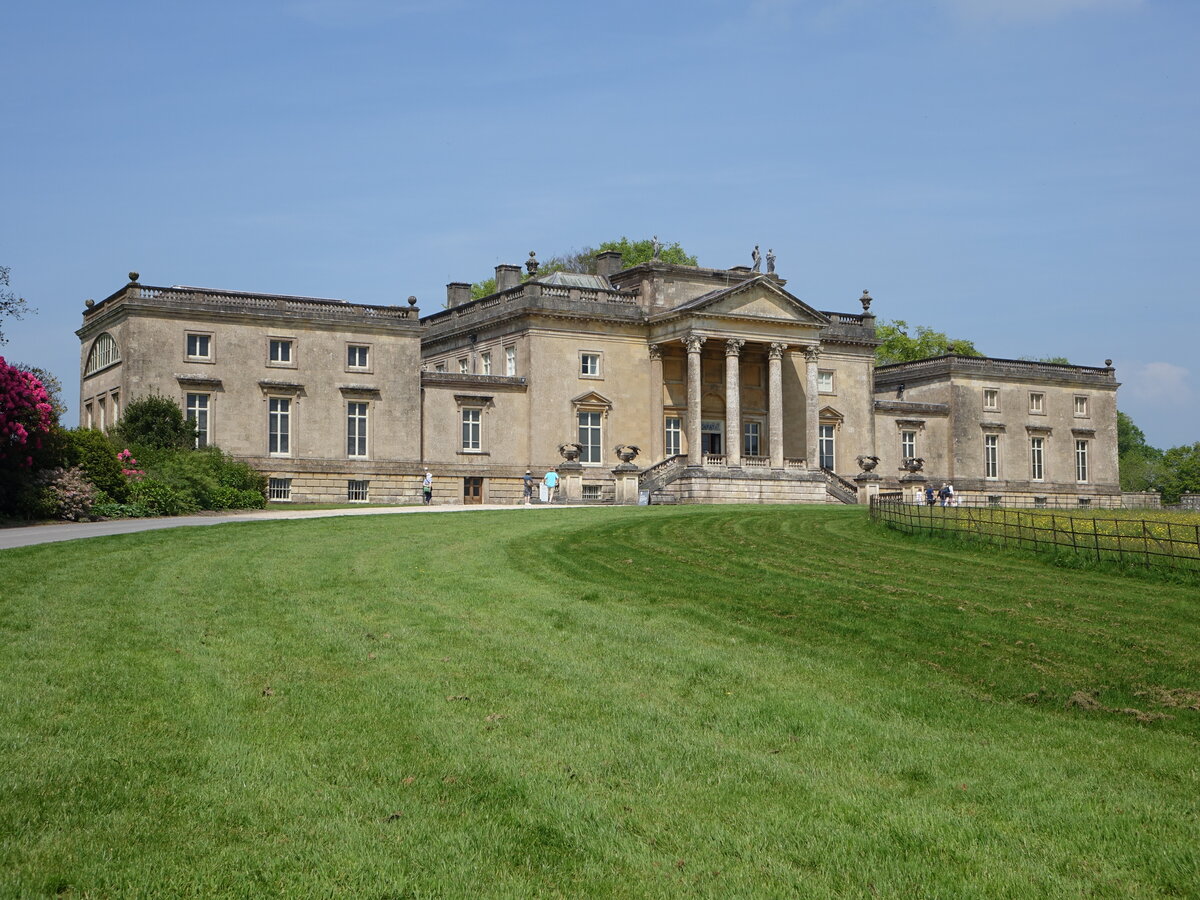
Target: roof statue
{"x":770,"y":262}
{"x":757,"y":257}
{"x":656,"y":245}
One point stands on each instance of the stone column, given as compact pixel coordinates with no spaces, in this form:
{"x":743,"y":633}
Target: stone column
{"x":812,"y":409}
{"x":775,"y":403}
{"x":694,"y":342}
{"x":656,"y":403}
{"x":733,"y":402}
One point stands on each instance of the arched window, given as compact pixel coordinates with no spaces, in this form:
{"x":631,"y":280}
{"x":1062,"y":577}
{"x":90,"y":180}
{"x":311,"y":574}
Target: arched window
{"x":104,"y":354}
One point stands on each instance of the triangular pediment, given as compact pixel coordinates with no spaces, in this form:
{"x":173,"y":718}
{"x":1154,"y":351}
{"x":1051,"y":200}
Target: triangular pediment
{"x":759,"y":298}
{"x":828,"y":412}
{"x":591,"y":398}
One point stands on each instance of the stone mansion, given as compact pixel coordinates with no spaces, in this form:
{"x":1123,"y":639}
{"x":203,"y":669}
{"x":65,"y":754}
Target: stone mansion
{"x":731,"y":389}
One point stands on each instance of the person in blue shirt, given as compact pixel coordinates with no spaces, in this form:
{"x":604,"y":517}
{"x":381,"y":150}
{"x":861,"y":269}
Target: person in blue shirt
{"x":551,"y":482}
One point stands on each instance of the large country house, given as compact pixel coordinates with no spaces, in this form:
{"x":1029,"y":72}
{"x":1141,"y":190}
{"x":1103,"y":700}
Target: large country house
{"x":730,"y":387}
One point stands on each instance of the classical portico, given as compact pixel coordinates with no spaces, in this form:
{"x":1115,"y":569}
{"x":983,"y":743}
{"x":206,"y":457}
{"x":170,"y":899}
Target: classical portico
{"x":747,"y":325}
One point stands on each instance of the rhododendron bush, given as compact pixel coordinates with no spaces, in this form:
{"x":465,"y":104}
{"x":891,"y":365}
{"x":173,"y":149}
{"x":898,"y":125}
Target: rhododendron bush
{"x":26,"y":415}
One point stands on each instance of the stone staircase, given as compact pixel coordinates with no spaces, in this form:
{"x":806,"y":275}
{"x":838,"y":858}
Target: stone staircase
{"x":838,"y":489}
{"x":715,"y":483}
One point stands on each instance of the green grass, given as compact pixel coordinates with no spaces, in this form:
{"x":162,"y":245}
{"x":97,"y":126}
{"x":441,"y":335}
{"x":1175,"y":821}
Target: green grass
{"x":696,"y":701}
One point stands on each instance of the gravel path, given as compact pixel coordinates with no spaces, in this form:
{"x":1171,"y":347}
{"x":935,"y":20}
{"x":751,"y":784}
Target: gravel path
{"x":73,"y":531}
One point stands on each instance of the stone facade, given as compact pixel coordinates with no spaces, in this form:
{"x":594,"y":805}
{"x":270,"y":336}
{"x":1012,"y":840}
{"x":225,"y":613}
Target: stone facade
{"x":1022,"y":431}
{"x":338,"y":401}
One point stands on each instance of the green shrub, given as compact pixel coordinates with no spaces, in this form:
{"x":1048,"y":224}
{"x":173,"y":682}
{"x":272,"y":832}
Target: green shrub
{"x":107,"y":508}
{"x":93,"y":452}
{"x":154,"y":422}
{"x":162,"y":499}
{"x":235,"y":498}
{"x":209,"y":477}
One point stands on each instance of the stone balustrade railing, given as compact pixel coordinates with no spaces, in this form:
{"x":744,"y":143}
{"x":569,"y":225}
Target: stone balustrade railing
{"x":527,"y":292}
{"x":277,"y":303}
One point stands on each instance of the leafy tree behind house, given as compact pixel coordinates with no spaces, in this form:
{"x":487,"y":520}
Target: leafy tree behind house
{"x":900,"y":346}
{"x":584,"y":260}
{"x":1180,"y":472}
{"x":1141,"y":466}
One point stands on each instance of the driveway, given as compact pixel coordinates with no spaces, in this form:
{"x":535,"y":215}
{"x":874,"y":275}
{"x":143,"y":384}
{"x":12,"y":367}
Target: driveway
{"x":72,"y":531}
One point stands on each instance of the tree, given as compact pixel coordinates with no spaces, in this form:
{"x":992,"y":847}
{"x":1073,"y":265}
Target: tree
{"x":1140,"y":465}
{"x":52,"y":385}
{"x":155,"y":423}
{"x":899,"y":346}
{"x":10,"y":303}
{"x":26,"y":425}
{"x":26,"y":416}
{"x":584,"y":260}
{"x":1180,"y":472}
{"x":1056,"y":360}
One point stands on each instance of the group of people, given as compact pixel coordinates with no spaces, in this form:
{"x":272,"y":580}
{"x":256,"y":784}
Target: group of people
{"x":945,"y":495}
{"x":547,"y":489}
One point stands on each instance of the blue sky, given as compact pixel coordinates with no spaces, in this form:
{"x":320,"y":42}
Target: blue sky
{"x":1022,"y":173}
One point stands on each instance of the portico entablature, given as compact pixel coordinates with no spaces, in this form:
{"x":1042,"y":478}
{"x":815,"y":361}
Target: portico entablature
{"x":757,"y":310}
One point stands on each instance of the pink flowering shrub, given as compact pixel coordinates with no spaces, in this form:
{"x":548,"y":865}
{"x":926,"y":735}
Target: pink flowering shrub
{"x":26,"y":415}
{"x":65,"y":493}
{"x":129,"y":466}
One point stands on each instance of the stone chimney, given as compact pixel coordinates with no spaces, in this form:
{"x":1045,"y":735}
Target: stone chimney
{"x":608,"y":263}
{"x":507,"y":276}
{"x":457,"y":293}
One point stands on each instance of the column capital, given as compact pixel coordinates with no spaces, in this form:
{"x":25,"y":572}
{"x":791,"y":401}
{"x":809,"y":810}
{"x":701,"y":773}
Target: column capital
{"x":733,"y":346}
{"x":812,"y":354}
{"x":694,"y":342}
{"x":656,"y":351}
{"x":775,"y":351}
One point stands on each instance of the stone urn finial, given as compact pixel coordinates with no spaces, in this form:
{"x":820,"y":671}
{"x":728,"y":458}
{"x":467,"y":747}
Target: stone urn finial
{"x":531,"y":264}
{"x":412,"y":301}
{"x":89,"y":302}
{"x":570,"y":451}
{"x":133,"y":277}
{"x":867,"y":463}
{"x":865,"y":300}
{"x":626,"y":453}
{"x":913,"y":464}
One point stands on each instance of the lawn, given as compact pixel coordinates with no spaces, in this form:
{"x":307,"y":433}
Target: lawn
{"x":664,"y":701}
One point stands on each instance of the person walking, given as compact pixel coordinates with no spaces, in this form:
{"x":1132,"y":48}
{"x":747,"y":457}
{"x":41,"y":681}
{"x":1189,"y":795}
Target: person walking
{"x":551,"y":482}
{"x":427,"y":487}
{"x":528,"y":486}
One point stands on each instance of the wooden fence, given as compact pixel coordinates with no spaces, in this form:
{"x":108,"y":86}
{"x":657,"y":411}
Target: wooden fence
{"x":1130,"y":540}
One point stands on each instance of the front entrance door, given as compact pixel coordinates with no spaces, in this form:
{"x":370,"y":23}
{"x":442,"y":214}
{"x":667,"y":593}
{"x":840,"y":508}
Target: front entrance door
{"x":712,"y":435}
{"x":472,"y":490}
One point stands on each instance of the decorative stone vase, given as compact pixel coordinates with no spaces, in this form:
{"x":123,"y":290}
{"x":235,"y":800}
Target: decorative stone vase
{"x":627,"y":453}
{"x":867,"y":463}
{"x":570,"y":451}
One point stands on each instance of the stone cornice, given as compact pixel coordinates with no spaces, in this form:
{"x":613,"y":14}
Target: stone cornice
{"x":507,"y":383}
{"x":912,"y":407}
{"x":995,"y":368}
